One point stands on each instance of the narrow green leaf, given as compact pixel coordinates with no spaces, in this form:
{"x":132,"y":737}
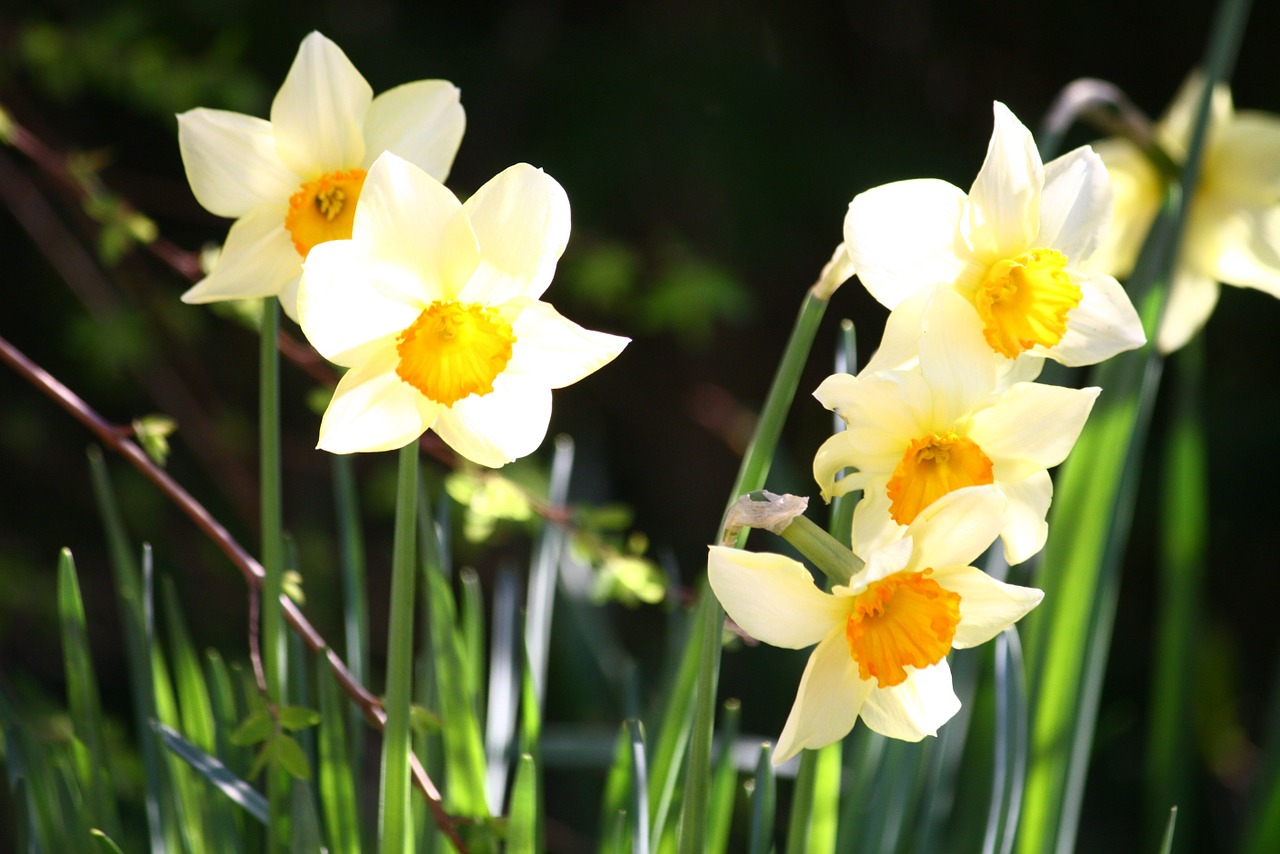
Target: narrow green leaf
{"x":355,"y":605}
{"x":239,"y":791}
{"x":503,"y":704}
{"x":673,"y":733}
{"x":617,"y":793}
{"x":471,"y":625}
{"x":763,"y":807}
{"x":337,"y":774}
{"x":307,"y":837}
{"x":522,"y":829}
{"x":638,"y":807}
{"x":543,"y":572}
{"x":724,"y":781}
{"x":816,"y":803}
{"x":1166,"y":844}
{"x":104,"y":842}
{"x":82,"y":697}
{"x":297,"y":717}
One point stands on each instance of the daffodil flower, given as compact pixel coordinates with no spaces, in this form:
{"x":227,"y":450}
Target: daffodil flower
{"x":292,"y":183}
{"x":1232,"y":230}
{"x":1017,"y":248}
{"x":916,"y":435}
{"x":433,"y":305}
{"x":882,"y":640}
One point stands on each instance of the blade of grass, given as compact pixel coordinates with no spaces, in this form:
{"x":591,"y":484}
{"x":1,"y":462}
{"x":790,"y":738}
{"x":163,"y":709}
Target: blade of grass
{"x":212,"y":770}
{"x":1166,"y":843}
{"x":471,"y":625}
{"x":305,"y":824}
{"x":504,"y":685}
{"x":763,"y":806}
{"x":617,"y":794}
{"x":82,"y":697}
{"x":337,"y":773}
{"x":639,"y":806}
{"x":724,"y":781}
{"x":355,"y":604}
{"x":544,"y":570}
{"x":1010,"y":744}
{"x":522,"y":829}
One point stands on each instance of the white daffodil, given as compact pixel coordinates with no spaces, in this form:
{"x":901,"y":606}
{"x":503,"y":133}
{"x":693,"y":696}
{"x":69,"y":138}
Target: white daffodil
{"x":882,"y":639}
{"x":1232,"y":230}
{"x":292,"y":182}
{"x":1017,"y":248}
{"x":916,"y":435}
{"x":433,"y":305}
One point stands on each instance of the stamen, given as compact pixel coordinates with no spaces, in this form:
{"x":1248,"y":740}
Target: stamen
{"x":324,"y":209}
{"x":1024,"y":301}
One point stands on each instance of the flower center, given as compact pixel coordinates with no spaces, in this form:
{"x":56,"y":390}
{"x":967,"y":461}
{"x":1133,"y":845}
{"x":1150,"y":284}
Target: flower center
{"x":454,"y":350}
{"x":323,"y":209}
{"x":933,"y":466}
{"x":905,"y":619}
{"x":1024,"y":301}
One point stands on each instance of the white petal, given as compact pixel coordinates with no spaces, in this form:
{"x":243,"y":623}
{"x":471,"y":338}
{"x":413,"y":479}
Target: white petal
{"x":1192,"y":297}
{"x":318,"y":114}
{"x":374,"y":410}
{"x":987,"y":606}
{"x":496,"y":428}
{"x":955,"y":358}
{"x":827,"y":702}
{"x":1075,"y":206}
{"x":553,"y":350}
{"x":773,"y":598}
{"x":873,"y":528}
{"x":421,"y":121}
{"x":905,"y":236}
{"x":521,"y":220}
{"x":341,"y":308}
{"x":1234,"y":243}
{"x":1103,"y":324}
{"x":1002,"y":214}
{"x":1025,"y":528}
{"x":1244,"y":164}
{"x":888,"y":411}
{"x":957,"y":528}
{"x":833,"y":455}
{"x":900,"y":344}
{"x":231,"y":162}
{"x":406,"y":219}
{"x":915,"y":708}
{"x":257,"y":260}
{"x":1174,"y":130}
{"x":1031,"y":427}
{"x":888,"y":557}
{"x":1136,"y":190}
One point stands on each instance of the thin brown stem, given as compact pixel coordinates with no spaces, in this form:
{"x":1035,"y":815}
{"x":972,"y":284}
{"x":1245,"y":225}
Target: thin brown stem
{"x":115,"y":437}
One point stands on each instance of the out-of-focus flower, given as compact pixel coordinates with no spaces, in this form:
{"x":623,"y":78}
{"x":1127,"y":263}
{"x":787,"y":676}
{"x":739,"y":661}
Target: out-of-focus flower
{"x":882,"y":639}
{"x":434,"y":307}
{"x":1232,"y":231}
{"x":1017,"y":248}
{"x":916,"y":435}
{"x":293,"y":182}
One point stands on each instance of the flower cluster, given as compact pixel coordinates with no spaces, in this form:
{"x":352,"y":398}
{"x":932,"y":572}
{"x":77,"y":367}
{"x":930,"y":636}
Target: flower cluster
{"x":432,"y":304}
{"x":948,"y":436}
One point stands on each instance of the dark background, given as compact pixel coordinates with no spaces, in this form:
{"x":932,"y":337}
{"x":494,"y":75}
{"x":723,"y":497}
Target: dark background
{"x":709,"y":151}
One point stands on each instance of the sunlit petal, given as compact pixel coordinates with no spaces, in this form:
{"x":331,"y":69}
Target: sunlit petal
{"x":828,"y":701}
{"x":318,"y":114}
{"x":231,"y":162}
{"x":422,"y":122}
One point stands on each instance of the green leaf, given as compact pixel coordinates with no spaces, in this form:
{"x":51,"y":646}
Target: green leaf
{"x":337,"y":772}
{"x":522,"y":829}
{"x":239,"y":791}
{"x":724,"y":782}
{"x":258,"y":727}
{"x":104,"y":842}
{"x":297,"y":717}
{"x":291,"y":757}
{"x":760,"y":839}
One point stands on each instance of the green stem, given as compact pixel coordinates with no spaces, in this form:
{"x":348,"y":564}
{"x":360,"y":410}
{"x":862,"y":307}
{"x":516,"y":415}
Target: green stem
{"x":823,"y":550}
{"x":395,"y":822}
{"x":272,"y":523}
{"x":706,"y":633}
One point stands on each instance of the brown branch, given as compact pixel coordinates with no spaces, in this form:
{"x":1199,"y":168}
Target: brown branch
{"x":115,"y":437}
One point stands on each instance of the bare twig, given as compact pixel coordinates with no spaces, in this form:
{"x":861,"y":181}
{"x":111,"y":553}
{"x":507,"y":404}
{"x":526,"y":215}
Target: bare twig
{"x":115,"y":437}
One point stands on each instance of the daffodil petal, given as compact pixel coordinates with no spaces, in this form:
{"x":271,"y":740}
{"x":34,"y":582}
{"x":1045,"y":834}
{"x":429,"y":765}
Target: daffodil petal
{"x":231,"y":162}
{"x":987,"y":606}
{"x":1031,"y":426}
{"x":493,"y":429}
{"x":1192,"y":297}
{"x":1025,"y":529}
{"x":915,"y":708}
{"x":956,"y":528}
{"x":318,"y":114}
{"x":958,"y":364}
{"x":1246,"y":159}
{"x":900,"y":344}
{"x":1002,"y":213}
{"x":1173,"y":131}
{"x":873,"y":527}
{"x":772,"y":597}
{"x":886,"y":413}
{"x":374,"y":410}
{"x":1136,"y":190}
{"x":553,"y":349}
{"x":828,"y":700}
{"x":257,"y":260}
{"x":521,"y":220}
{"x":833,"y":455}
{"x":1234,"y":243}
{"x":903,"y":237}
{"x":408,"y":220}
{"x":1102,"y":325}
{"x":341,"y":308}
{"x":1075,"y":205}
{"x":423,"y":122}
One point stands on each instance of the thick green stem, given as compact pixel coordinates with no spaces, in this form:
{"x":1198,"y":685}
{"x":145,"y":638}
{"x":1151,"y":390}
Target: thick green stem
{"x":394,"y":817}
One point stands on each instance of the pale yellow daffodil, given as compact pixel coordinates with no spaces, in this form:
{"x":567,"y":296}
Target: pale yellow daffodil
{"x":1017,"y":248}
{"x":915,"y":435}
{"x":1232,"y":230}
{"x":434,"y":306}
{"x":293,"y":182}
{"x":882,"y":639}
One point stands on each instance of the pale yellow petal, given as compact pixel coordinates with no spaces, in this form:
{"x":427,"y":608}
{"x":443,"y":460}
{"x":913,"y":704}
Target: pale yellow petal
{"x":318,"y":114}
{"x":521,"y":220}
{"x":1192,"y":297}
{"x":987,"y":606}
{"x":373,"y":410}
{"x":1025,"y":529}
{"x":1002,"y":213}
{"x":497,"y":428}
{"x":915,"y":708}
{"x":1136,"y":192}
{"x":553,"y":350}
{"x":1103,"y":324}
{"x":1031,"y":426}
{"x":1075,"y":205}
{"x":956,"y":528}
{"x":827,"y":702}
{"x":772,"y":597}
{"x":421,"y":121}
{"x":257,"y":260}
{"x":955,"y":359}
{"x":231,"y":162}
